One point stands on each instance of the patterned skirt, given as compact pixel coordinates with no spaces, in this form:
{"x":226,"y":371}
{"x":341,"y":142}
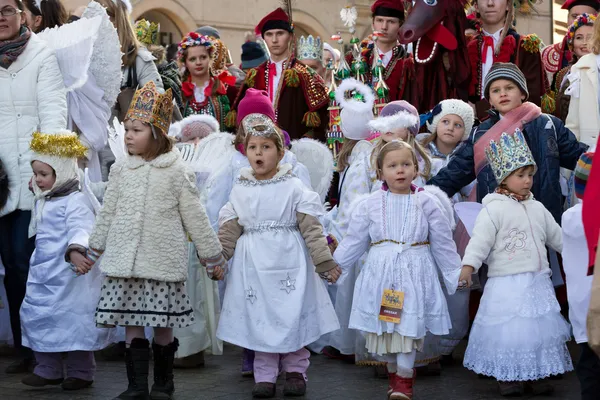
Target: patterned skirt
{"x":143,"y":302}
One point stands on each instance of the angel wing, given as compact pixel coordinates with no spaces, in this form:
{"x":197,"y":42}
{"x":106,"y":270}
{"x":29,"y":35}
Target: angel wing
{"x":73,"y":45}
{"x":116,"y":139}
{"x":86,"y":189}
{"x":443,"y":202}
{"x":317,"y":158}
{"x":214,"y":153}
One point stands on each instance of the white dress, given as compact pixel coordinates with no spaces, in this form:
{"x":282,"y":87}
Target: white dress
{"x":57,"y":314}
{"x":274,"y":301}
{"x":383,"y":221}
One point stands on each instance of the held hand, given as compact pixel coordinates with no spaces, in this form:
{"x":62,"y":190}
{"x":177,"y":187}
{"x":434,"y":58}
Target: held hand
{"x":465,"y":280}
{"x":82,"y":264}
{"x":332,"y":275}
{"x":218,"y":274}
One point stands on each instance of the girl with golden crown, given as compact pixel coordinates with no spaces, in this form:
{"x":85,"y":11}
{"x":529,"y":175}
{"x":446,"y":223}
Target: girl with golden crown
{"x":62,"y":292}
{"x":151,"y":208}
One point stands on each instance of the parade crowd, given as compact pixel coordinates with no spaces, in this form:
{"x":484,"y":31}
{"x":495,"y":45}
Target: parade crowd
{"x":376,"y":200}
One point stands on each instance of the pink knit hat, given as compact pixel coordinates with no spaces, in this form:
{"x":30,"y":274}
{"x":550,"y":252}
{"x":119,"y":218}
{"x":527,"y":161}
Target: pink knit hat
{"x":255,"y":102}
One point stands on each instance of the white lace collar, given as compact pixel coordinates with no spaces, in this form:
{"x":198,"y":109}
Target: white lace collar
{"x":247,"y":176}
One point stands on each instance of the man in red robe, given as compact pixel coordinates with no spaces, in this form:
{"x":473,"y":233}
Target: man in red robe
{"x":299,"y":95}
{"x":387,"y":18}
{"x":498,"y":41}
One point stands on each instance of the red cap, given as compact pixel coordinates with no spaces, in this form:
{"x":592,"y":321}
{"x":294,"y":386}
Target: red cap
{"x":277,"y":19}
{"x":590,"y":3}
{"x":388,"y":8}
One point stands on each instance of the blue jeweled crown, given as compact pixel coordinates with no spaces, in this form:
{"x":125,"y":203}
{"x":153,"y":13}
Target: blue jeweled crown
{"x":310,"y":48}
{"x":508,"y":155}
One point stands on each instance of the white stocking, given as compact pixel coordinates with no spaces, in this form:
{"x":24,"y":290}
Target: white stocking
{"x":406,"y":363}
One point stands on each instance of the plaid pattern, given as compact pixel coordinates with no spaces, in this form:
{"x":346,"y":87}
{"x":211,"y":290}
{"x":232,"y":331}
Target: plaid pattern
{"x":582,"y":173}
{"x":10,"y":50}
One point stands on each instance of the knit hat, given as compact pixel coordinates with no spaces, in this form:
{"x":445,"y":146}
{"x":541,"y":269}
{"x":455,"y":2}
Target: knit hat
{"x":582,"y":173}
{"x":255,"y":102}
{"x":356,"y":101}
{"x":195,"y":126}
{"x":209,"y":31}
{"x":452,"y":106}
{"x":253,"y":55}
{"x":397,"y":114}
{"x":507,"y":71}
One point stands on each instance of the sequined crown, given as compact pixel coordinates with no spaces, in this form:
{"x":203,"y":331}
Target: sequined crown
{"x":151,"y":107}
{"x":509,"y":154}
{"x":310,"y":48}
{"x":147,"y":32}
{"x":259,"y":125}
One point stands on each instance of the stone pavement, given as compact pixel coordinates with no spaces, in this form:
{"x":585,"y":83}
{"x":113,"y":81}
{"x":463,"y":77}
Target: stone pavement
{"x":328,"y":379}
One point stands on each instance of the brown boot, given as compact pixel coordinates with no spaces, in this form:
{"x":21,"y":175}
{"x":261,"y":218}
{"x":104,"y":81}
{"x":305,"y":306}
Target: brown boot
{"x":511,"y":389}
{"x":295,"y":384}
{"x":263,"y":390}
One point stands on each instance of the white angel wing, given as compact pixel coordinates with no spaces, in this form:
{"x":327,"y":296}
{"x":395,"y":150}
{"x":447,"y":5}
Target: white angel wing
{"x":443,"y":202}
{"x":105,"y":65}
{"x":213,"y":153}
{"x":317,"y":158}
{"x":73,"y":45}
{"x":116,"y":139}
{"x":89,"y":194}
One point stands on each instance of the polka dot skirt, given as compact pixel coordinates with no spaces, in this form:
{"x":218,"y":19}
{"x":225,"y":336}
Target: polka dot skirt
{"x":143,"y":302}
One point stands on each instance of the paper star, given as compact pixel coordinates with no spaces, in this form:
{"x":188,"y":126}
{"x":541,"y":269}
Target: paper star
{"x":251,"y":295}
{"x":288,"y":284}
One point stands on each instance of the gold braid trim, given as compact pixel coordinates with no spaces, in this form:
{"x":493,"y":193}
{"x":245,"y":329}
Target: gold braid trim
{"x":251,"y":78}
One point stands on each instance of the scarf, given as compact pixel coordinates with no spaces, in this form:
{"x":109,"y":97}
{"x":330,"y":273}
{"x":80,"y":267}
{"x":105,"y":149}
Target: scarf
{"x":63,"y":190}
{"x":516,"y":118}
{"x":10,"y":50}
{"x":517,"y":197}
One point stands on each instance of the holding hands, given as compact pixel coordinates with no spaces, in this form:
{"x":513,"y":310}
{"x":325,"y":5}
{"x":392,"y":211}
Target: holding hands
{"x":465,"y":281}
{"x":216,"y":268}
{"x":332,"y":275}
{"x":81,"y":265}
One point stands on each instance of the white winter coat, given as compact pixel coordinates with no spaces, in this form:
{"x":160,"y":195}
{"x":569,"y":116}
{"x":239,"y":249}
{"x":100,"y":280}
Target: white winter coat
{"x":512,"y":236}
{"x":583,"y":118}
{"x":150,"y":208}
{"x":32,"y":98}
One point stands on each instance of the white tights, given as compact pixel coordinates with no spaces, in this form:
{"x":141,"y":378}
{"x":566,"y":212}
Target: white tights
{"x":401,"y":363}
{"x":162,"y":336}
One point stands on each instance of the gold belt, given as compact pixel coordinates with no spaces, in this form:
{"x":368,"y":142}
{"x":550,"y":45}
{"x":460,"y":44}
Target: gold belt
{"x":425,"y":243}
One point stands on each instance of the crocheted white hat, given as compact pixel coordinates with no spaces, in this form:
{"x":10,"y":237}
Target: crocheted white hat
{"x":356,"y":100}
{"x":452,"y":106}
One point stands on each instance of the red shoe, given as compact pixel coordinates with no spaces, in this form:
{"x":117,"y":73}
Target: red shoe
{"x":391,"y":383}
{"x":402,"y":388}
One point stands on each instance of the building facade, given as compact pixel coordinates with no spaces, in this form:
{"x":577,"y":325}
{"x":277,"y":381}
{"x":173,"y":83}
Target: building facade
{"x":316,"y":17}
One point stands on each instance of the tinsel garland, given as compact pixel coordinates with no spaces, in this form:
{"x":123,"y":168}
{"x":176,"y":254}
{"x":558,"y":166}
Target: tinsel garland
{"x":59,"y":145}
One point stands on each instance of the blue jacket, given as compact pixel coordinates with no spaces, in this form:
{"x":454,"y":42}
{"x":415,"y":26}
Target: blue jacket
{"x":552,"y":145}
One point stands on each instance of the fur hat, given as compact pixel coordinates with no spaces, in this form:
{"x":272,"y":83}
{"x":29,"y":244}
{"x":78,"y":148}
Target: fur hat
{"x":452,"y":106}
{"x":194,"y":126}
{"x":397,"y":114}
{"x":356,"y":101}
{"x":508,"y":71}
{"x":582,"y":173}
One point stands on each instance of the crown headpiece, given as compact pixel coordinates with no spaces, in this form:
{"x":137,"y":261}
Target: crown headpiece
{"x":310,"y":48}
{"x":151,"y":107}
{"x":509,"y":154}
{"x":64,"y":144}
{"x":259,"y":125}
{"x":147,"y":32}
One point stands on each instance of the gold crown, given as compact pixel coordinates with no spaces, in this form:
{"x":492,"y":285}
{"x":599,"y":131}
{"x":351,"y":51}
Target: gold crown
{"x":147,"y":32}
{"x":151,"y":107}
{"x":65,"y":145}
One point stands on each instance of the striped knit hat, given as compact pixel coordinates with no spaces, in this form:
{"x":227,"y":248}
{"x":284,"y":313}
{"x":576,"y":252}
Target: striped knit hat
{"x":505,"y":71}
{"x":582,"y":173}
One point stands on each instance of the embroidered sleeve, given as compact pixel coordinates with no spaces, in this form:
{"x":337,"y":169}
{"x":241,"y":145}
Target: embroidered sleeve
{"x":313,"y":86}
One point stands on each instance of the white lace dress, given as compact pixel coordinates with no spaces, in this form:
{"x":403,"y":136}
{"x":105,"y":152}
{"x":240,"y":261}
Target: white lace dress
{"x":275,"y":302}
{"x":409,"y":235}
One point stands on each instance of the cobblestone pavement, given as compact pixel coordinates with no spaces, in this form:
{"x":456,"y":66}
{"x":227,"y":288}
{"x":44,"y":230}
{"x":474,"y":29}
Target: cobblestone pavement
{"x":328,"y":379}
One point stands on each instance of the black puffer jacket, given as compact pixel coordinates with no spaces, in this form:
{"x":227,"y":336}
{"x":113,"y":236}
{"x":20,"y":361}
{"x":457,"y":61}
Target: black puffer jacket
{"x":3,"y":186}
{"x":553,"y":146}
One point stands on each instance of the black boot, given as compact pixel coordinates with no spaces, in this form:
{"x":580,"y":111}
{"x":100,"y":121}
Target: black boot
{"x":164,"y":356}
{"x":137,"y":358}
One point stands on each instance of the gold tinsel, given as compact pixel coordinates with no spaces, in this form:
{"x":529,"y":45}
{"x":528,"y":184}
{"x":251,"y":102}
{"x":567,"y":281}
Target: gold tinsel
{"x":59,"y":145}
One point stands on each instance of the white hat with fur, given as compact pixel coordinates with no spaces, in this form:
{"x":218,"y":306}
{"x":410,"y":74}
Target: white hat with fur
{"x":452,"y":106}
{"x":194,"y":126}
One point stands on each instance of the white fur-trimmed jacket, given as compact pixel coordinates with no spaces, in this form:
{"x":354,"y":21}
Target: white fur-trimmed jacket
{"x":512,"y":236}
{"x":150,"y":208}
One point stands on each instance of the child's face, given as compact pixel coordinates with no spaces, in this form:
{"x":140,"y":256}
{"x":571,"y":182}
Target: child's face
{"x":44,"y":175}
{"x":197,"y":61}
{"x":520,"y":181}
{"x":137,"y":137}
{"x":505,"y":95}
{"x":450,"y":130}
{"x":399,"y":170}
{"x":263,"y":156}
{"x":395,"y":134}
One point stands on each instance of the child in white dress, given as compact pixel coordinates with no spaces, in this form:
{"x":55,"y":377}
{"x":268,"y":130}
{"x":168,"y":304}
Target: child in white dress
{"x":57,"y":314}
{"x":275,"y":303}
{"x":518,"y":336}
{"x":398,"y":297}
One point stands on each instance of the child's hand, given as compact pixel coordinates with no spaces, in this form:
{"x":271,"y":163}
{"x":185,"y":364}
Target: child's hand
{"x":82,"y":264}
{"x":332,"y":243}
{"x":332,"y":275}
{"x":465,"y":280}
{"x":218,"y":274}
